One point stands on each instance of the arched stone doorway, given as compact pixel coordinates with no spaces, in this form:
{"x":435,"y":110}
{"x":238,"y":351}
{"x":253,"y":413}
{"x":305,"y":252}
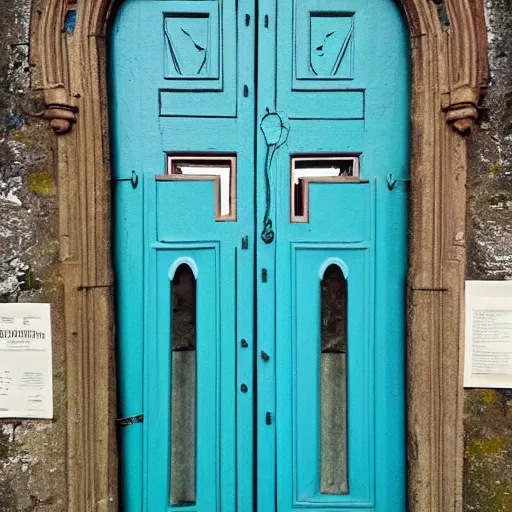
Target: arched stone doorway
{"x":448,"y":42}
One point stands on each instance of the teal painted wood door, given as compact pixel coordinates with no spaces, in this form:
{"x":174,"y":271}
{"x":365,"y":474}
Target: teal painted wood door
{"x":259,"y":163}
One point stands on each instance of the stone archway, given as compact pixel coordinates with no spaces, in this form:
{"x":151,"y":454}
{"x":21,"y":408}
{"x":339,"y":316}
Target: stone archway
{"x":449,"y":73}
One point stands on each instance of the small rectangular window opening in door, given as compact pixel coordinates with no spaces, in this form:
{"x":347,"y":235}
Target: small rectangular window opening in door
{"x":317,"y":169}
{"x":220,"y":169}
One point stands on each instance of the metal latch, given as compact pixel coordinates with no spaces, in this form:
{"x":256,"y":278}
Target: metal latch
{"x":391,"y":180}
{"x":134,"y":179}
{"x":130,"y":420}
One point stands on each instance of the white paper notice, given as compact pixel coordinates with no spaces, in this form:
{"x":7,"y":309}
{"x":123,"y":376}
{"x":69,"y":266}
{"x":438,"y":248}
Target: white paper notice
{"x":25,"y":361}
{"x":488,"y":347}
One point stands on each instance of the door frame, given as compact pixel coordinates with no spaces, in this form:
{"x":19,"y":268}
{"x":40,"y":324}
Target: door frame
{"x":448,"y":42}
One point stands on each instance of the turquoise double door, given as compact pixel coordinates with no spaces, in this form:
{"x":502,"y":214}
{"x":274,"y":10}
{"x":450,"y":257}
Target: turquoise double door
{"x":259,"y":163}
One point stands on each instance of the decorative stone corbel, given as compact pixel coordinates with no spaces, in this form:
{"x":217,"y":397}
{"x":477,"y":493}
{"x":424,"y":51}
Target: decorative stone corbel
{"x":462,"y":110}
{"x":462,"y":117}
{"x":60,"y":109}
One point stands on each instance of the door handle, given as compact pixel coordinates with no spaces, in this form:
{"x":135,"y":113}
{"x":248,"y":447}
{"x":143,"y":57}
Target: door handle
{"x":275,"y":127}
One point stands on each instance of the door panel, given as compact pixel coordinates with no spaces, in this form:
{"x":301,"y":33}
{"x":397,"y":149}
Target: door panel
{"x":255,"y":386}
{"x":308,"y":265}
{"x":179,"y":70}
{"x":361,"y":224}
{"x":161,"y":396}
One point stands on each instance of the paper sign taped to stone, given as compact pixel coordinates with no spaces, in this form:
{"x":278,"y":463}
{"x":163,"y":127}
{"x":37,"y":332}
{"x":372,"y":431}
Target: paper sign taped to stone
{"x":488,"y":346}
{"x":25,"y":361}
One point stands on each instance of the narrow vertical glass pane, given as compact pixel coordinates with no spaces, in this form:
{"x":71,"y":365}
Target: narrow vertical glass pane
{"x":184,"y":393}
{"x":333,"y":383}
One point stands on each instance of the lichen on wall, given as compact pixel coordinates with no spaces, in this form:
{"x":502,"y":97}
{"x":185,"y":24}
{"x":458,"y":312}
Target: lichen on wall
{"x":488,"y":432}
{"x":32,"y":453}
{"x":488,"y":413}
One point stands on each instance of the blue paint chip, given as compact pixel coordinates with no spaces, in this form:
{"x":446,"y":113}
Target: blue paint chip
{"x":14,"y":121}
{"x":70,"y":21}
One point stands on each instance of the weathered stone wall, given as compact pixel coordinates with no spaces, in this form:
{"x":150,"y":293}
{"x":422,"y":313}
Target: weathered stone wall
{"x":488,"y":420}
{"x":32,"y":463}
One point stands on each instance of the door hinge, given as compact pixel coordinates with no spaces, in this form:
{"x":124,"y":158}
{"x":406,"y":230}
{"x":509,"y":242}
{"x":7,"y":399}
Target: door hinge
{"x":268,"y":418}
{"x":245,"y":242}
{"x":130,"y":420}
{"x":134,"y":179}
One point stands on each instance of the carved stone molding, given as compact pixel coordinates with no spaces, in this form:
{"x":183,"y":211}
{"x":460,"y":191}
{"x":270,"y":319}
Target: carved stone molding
{"x":449,"y":72}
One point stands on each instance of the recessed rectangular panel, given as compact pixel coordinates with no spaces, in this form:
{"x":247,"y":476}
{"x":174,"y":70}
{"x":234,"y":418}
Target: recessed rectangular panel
{"x":182,"y":361}
{"x":329,"y":50}
{"x":318,"y":61}
{"x":323,"y":105}
{"x":206,"y":103}
{"x":192,"y":206}
{"x":340,"y":211}
{"x":193,"y":42}
{"x":193,"y":45}
{"x":200,"y":59}
{"x":324,"y":50}
{"x":332,"y":360}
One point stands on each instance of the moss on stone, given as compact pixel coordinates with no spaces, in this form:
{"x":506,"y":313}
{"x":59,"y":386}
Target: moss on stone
{"x":23,"y":137}
{"x":490,"y":396}
{"x":496,"y":169}
{"x":41,"y":183}
{"x":486,"y":492}
{"x":486,"y":447}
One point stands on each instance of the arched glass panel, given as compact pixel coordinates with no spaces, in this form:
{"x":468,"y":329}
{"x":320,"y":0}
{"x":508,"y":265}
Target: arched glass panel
{"x":333,"y":383}
{"x":184,"y":392}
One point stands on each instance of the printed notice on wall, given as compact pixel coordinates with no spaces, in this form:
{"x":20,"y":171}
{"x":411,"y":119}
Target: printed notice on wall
{"x":488,"y":347}
{"x":25,"y":361}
